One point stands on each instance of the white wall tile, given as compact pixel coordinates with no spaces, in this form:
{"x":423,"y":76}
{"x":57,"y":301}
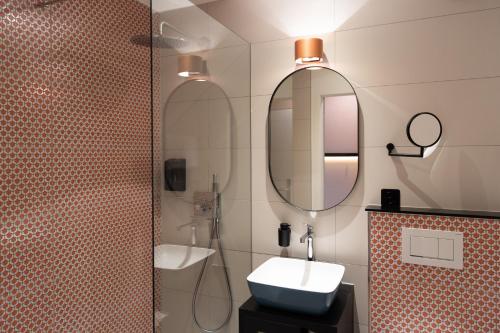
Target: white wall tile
{"x":239,"y":267}
{"x":266,"y":218}
{"x":358,"y":276}
{"x":185,"y":125}
{"x":351,"y":14}
{"x":259,"y":258}
{"x":452,"y":177}
{"x":236,"y":224}
{"x":211,"y":312}
{"x":240,"y":127}
{"x":302,"y":134}
{"x":213,"y":281}
{"x":351,"y":235}
{"x":232,"y":167}
{"x":360,"y":328}
{"x":197,"y":177}
{"x":229,"y":68}
{"x":176,"y":212}
{"x":180,"y":280}
{"x":263,"y":20}
{"x":272,"y":61}
{"x":262,"y":187}
{"x":444,"y":48}
{"x":260,"y":107}
{"x":467,"y":110}
{"x":220,"y":123}
{"x":177,"y":306}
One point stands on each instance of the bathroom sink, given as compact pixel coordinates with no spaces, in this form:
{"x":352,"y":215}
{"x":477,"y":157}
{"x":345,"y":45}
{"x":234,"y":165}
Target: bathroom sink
{"x":175,"y":257}
{"x":296,"y":285}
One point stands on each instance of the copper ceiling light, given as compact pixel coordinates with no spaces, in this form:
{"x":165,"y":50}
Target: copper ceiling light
{"x":189,"y":65}
{"x":308,"y":50}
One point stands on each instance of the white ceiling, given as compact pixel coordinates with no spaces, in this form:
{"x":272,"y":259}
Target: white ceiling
{"x":168,"y":5}
{"x":265,"y":20}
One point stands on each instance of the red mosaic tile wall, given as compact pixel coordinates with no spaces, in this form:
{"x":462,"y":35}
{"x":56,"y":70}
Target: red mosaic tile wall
{"x":75,"y":167}
{"x":416,"y":298}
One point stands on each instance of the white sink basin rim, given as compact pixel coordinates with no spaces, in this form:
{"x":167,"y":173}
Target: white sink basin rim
{"x":175,"y":257}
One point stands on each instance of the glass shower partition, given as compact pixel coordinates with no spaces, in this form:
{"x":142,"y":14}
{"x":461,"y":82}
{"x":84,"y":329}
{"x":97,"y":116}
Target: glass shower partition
{"x":202,"y":254}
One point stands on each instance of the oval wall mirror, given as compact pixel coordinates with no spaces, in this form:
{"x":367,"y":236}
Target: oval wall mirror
{"x":197,"y":123}
{"x":313,"y":138}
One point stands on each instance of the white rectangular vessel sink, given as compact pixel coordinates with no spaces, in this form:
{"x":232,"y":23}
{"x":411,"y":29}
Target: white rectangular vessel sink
{"x":296,"y":285}
{"x":175,"y":257}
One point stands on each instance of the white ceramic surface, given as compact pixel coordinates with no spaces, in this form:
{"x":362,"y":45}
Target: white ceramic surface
{"x":298,"y":274}
{"x":175,"y":257}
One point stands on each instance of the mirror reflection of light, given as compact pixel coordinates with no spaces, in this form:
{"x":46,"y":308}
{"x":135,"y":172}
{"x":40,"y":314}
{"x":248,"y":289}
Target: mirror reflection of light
{"x":184,"y":74}
{"x":341,"y":159}
{"x":313,"y":214}
{"x":306,"y":60}
{"x":313,"y":68}
{"x":428,"y":151}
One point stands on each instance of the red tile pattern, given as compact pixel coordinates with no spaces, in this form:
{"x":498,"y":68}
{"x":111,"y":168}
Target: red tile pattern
{"x":75,"y":167}
{"x":416,"y":298}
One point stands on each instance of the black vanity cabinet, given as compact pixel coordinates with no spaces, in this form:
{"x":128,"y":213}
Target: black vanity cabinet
{"x":339,"y":319}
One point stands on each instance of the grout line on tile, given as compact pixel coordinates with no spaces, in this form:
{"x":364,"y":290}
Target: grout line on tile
{"x":427,"y":82}
{"x":418,"y":19}
{"x":206,"y":50}
{"x":406,"y":83}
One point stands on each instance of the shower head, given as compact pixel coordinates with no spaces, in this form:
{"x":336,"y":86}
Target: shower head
{"x":161,"y":40}
{"x":158,"y":41}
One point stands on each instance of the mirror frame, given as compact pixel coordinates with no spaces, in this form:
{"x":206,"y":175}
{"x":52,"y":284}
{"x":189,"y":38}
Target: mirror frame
{"x":408,"y":126}
{"x":390,"y":146}
{"x":269,"y":139}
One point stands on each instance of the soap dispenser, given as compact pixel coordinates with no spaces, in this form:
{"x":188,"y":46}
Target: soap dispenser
{"x":284,"y":232}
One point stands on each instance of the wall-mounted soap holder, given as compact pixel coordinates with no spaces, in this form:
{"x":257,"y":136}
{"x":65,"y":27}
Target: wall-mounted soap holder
{"x":424,"y":131}
{"x":175,"y":174}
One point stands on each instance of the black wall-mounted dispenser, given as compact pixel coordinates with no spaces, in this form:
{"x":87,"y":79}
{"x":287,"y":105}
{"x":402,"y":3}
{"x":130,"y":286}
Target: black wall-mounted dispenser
{"x":390,"y":199}
{"x":284,"y":232}
{"x":175,"y":174}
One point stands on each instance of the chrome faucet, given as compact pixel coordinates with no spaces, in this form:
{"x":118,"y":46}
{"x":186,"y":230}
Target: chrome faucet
{"x":308,"y":236}
{"x":193,"y":226}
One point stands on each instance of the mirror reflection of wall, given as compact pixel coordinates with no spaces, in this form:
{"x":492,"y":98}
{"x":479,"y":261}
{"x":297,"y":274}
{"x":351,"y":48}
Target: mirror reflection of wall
{"x":313,"y":138}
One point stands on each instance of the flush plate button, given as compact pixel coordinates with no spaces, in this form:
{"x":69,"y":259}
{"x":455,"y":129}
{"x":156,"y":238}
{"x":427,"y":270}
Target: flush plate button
{"x":427,"y":247}
{"x":432,"y":247}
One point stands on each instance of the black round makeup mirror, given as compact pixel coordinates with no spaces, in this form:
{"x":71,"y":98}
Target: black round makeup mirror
{"x":424,"y":130}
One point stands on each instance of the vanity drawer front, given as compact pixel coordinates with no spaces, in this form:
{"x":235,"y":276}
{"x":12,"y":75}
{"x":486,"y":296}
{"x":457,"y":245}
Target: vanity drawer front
{"x":249,"y":324}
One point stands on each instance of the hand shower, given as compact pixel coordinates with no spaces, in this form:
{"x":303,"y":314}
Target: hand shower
{"x":216,"y":211}
{"x":214,"y":234}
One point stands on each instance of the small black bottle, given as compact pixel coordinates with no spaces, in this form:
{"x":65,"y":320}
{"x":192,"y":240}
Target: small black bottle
{"x":284,"y":232}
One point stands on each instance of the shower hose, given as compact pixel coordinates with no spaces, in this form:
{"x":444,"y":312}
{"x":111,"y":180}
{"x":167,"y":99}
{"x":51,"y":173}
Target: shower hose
{"x":214,"y":232}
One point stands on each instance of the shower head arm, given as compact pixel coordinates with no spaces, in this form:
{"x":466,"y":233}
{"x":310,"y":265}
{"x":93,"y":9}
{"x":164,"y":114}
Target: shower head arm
{"x":163,"y":23}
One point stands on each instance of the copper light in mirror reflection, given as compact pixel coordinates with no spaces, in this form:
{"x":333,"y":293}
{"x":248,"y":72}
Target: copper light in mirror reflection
{"x":308,"y":50}
{"x":189,"y":65}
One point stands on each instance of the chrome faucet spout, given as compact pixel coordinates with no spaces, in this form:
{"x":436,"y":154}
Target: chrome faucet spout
{"x":308,"y":236}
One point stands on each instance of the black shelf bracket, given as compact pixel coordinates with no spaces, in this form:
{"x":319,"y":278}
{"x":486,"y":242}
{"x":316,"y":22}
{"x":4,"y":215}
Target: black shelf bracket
{"x":391,"y":148}
{"x":428,"y":120}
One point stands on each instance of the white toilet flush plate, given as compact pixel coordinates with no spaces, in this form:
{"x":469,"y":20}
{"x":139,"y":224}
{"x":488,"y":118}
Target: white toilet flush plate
{"x":433,"y":247}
